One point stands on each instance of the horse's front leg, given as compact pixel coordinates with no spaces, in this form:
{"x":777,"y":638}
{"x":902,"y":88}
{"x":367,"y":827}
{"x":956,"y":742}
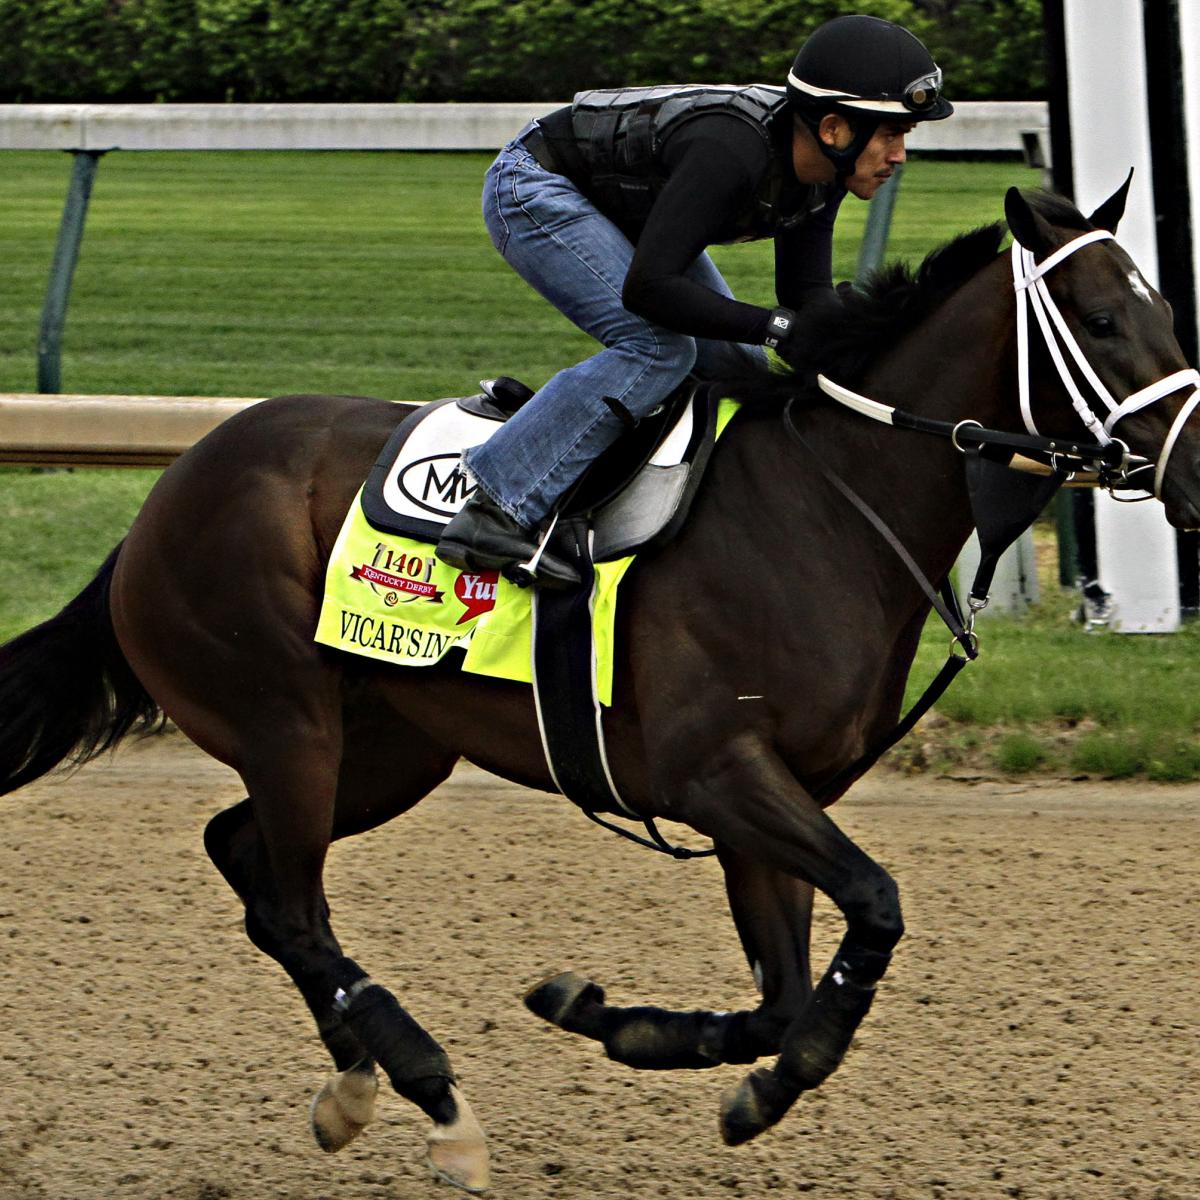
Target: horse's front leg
{"x":773,"y":915}
{"x":772,"y":912}
{"x":745,"y":797}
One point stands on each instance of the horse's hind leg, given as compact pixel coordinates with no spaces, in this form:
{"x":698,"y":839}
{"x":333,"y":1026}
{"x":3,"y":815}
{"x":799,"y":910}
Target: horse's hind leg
{"x":272,"y":849}
{"x":345,"y":1105}
{"x":772,"y":912}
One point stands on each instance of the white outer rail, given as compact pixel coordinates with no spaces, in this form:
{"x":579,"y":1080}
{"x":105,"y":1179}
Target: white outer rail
{"x":977,"y":126}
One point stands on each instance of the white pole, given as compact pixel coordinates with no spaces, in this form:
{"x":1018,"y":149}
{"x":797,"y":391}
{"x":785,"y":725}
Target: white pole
{"x":1110,"y":126}
{"x":1110,"y":132}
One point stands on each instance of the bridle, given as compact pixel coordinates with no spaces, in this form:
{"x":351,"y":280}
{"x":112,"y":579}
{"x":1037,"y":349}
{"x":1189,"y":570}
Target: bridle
{"x":1029,"y":283}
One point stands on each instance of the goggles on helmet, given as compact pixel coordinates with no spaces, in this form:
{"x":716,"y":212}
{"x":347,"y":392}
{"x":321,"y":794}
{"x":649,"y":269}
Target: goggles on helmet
{"x":920,"y":96}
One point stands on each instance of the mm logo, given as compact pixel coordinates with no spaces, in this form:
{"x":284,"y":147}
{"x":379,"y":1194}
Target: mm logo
{"x":437,"y":483}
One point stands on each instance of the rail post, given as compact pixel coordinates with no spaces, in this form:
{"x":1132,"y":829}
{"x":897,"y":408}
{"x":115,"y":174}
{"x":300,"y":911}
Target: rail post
{"x":62,"y":269}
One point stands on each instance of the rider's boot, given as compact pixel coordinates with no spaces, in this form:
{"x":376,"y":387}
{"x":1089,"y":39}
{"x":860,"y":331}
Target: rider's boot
{"x":483,"y":537}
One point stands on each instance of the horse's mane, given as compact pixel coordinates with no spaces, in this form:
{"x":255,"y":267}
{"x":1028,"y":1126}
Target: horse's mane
{"x":845,"y":340}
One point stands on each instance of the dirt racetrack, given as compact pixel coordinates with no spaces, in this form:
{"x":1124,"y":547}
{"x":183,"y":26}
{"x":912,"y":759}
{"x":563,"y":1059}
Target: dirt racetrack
{"x":1038,"y":1036}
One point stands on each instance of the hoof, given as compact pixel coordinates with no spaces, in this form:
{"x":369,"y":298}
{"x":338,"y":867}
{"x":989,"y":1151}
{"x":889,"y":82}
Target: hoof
{"x":561,"y":997}
{"x":343,"y":1108}
{"x":751,"y":1106}
{"x":458,"y":1152}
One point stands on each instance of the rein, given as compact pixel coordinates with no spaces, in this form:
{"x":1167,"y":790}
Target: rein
{"x":1110,"y":460}
{"x":944,"y":601}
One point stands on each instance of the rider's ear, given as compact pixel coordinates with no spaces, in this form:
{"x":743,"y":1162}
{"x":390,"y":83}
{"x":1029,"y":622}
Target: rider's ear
{"x":1109,"y":214}
{"x":1032,"y":231}
{"x":832,"y":128}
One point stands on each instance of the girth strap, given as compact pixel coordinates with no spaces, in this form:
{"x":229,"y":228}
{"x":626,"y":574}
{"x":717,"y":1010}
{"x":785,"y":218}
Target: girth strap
{"x":568,"y":708}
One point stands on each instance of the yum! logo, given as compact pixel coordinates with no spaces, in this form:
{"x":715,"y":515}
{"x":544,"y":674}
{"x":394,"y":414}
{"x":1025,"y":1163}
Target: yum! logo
{"x":476,"y":590}
{"x":436,"y":483}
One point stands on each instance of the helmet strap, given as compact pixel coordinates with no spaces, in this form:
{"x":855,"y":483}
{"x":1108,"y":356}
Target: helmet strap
{"x":843,"y":161}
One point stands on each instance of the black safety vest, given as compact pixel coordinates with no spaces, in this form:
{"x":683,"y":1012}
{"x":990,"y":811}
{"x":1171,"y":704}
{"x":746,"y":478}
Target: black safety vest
{"x":619,"y":134}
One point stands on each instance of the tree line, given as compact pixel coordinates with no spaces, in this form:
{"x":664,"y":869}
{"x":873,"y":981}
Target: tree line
{"x":121,"y":51}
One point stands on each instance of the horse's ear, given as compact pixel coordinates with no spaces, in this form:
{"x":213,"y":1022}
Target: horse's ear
{"x":1032,"y":231}
{"x":1109,"y":214}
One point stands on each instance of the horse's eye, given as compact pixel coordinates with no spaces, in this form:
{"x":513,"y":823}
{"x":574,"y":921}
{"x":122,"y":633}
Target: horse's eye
{"x":1100,"y":325}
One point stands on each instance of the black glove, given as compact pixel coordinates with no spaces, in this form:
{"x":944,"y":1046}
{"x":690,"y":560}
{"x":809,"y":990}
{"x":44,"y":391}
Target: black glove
{"x":797,"y":336}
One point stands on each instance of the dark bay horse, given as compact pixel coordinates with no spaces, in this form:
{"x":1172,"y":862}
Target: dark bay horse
{"x":758,"y":655}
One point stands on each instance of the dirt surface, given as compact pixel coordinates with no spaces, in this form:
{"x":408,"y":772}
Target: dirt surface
{"x":1037,"y":1036}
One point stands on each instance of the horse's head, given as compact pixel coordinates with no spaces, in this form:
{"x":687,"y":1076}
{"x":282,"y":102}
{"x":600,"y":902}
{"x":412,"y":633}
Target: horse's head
{"x":1106,"y":355}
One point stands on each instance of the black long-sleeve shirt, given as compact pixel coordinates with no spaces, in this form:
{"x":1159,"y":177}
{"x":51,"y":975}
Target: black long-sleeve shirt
{"x":713,"y":166}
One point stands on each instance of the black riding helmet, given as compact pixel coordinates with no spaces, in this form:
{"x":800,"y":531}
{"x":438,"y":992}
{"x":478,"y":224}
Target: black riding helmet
{"x":868,"y":70}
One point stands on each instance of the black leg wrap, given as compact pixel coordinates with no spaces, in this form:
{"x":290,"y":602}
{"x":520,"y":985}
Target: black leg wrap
{"x":652,"y":1039}
{"x":750,"y":1036}
{"x":345,"y":1049}
{"x":315,"y":986}
{"x":416,"y":1065}
{"x":865,"y":967}
{"x":818,"y":1040}
{"x":759,"y":1102}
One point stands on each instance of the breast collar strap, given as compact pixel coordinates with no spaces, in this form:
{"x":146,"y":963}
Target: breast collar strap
{"x":1029,"y":282}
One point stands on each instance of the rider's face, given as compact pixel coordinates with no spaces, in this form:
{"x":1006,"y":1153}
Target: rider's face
{"x":874,"y":166}
{"x":879,"y":159}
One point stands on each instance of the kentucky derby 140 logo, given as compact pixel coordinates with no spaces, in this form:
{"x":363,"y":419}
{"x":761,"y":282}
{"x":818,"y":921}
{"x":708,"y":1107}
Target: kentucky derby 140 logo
{"x":410,"y":574}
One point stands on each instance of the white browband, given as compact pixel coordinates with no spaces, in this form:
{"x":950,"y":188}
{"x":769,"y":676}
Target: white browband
{"x":1032,"y":292}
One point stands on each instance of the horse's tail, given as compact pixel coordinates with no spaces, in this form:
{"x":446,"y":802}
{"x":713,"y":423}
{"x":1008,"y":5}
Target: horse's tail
{"x":66,"y":692}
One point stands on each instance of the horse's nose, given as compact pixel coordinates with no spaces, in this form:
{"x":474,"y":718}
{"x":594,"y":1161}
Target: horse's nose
{"x":1181,"y":488}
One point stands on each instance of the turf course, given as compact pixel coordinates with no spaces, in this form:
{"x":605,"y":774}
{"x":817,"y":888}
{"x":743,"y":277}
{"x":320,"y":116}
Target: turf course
{"x":262,"y":273}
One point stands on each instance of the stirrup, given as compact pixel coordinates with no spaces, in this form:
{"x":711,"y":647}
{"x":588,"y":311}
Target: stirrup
{"x":525,"y":574}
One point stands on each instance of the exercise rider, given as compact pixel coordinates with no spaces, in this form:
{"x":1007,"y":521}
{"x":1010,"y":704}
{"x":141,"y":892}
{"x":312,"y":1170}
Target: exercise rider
{"x":607,"y":207}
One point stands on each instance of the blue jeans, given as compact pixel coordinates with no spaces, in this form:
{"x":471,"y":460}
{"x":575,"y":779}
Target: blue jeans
{"x":561,"y":244}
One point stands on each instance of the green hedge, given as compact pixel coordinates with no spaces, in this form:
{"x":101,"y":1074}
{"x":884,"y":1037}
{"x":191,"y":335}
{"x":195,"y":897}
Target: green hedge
{"x":467,"y":50}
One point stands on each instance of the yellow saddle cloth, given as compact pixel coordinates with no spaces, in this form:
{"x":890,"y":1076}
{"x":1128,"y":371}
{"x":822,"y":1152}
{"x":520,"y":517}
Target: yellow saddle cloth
{"x":390,"y":598}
